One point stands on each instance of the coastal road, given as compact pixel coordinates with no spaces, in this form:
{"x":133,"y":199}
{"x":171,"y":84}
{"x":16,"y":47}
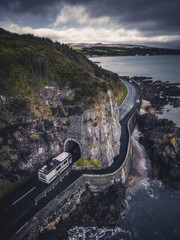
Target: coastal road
{"x":19,"y":207}
{"x":131,"y":98}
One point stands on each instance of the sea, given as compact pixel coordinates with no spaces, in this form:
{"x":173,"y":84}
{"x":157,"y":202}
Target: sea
{"x":164,"y":68}
{"x":153,"y":211}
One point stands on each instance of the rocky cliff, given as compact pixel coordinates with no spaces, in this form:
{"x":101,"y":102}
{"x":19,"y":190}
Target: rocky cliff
{"x":51,"y":96}
{"x":26,"y":143}
{"x":161,"y":139}
{"x":101,"y":131}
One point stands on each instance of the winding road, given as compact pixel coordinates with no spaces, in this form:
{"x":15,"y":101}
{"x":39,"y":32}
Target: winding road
{"x":19,"y":207}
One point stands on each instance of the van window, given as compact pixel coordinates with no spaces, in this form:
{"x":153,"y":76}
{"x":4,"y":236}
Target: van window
{"x":42,"y":176}
{"x":57,"y":169}
{"x":65,"y":162}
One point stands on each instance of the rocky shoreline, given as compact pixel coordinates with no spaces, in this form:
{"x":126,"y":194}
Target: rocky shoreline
{"x":104,"y":208}
{"x":93,"y":209}
{"x":161,"y":137}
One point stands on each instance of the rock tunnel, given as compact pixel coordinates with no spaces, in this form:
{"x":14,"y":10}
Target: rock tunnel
{"x":73,"y":147}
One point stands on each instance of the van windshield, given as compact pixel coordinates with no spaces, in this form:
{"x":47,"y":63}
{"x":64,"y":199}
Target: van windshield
{"x":42,"y":176}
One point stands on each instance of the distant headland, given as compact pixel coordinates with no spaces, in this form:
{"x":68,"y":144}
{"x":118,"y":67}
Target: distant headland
{"x":99,"y":49}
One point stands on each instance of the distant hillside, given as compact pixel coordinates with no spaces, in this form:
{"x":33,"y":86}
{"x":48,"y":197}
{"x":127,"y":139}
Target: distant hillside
{"x":29,"y":63}
{"x":89,"y":45}
{"x":100,"y":49}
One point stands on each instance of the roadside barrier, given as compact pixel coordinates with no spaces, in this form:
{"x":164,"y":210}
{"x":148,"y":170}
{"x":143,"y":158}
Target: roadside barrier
{"x":52,"y":186}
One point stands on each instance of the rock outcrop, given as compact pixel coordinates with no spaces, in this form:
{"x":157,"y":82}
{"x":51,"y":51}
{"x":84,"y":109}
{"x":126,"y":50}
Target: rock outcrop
{"x":161,"y":137}
{"x":101,"y":131}
{"x":28,"y":140}
{"x":159,"y":93}
{"x":52,"y":98}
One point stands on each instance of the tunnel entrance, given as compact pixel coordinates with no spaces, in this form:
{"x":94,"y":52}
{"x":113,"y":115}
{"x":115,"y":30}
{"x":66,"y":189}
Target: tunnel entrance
{"x":72,"y":147}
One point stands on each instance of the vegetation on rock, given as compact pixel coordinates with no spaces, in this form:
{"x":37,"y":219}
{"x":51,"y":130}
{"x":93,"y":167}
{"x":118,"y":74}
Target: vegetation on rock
{"x":30,"y":63}
{"x":125,"y":92}
{"x":86,"y":162}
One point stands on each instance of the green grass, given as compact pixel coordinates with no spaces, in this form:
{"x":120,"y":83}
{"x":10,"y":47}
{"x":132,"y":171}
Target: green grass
{"x":119,"y":102}
{"x":88,"y":162}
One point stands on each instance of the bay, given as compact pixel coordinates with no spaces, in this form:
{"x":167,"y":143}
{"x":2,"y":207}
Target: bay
{"x":163,"y":67}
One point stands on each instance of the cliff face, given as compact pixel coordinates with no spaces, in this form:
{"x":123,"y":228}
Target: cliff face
{"x":51,"y":99}
{"x":105,"y":132}
{"x":98,"y":131}
{"x":27,"y":141}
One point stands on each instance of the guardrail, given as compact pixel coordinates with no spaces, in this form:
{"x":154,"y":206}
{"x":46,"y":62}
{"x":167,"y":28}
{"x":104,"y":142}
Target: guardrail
{"x":52,"y":186}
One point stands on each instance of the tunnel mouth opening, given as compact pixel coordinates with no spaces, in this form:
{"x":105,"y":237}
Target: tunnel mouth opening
{"x":73,"y":147}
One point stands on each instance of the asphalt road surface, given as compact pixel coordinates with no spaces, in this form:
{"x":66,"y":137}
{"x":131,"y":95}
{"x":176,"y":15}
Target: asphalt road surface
{"x":19,"y":207}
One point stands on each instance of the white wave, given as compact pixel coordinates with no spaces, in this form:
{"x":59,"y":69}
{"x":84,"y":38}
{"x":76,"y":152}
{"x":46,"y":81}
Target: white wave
{"x":141,"y":165}
{"x":158,"y":183}
{"x":139,"y":175}
{"x":145,"y":183}
{"x":140,"y":151}
{"x":95,"y":233}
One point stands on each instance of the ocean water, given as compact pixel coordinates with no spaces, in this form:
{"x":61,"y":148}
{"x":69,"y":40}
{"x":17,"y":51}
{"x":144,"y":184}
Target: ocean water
{"x":171,"y":113}
{"x":164,"y":68}
{"x":153,"y":211}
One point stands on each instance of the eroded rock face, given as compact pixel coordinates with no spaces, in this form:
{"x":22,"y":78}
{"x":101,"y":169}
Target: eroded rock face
{"x":162,"y":141}
{"x":29,"y":138}
{"x":101,"y":131}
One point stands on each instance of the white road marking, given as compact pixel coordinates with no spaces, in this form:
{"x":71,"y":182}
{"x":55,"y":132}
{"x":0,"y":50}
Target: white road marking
{"x":14,"y":222}
{"x":23,"y":196}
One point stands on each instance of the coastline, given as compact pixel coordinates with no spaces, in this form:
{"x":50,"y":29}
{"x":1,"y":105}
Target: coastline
{"x":161,"y":137}
{"x":92,"y":202}
{"x":159,"y":67}
{"x":101,"y":203}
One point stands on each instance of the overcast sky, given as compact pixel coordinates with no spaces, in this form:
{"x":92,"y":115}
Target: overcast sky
{"x":147,"y":22}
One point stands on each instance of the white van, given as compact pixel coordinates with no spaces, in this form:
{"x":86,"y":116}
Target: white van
{"x":55,"y":167}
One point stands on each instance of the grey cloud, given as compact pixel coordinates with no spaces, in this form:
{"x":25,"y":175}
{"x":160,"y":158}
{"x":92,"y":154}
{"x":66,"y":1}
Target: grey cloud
{"x":141,"y":14}
{"x":152,"y":17}
{"x":36,"y":6}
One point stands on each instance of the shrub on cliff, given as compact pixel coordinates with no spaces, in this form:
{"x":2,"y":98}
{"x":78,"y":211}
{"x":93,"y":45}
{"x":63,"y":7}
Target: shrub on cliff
{"x":30,"y":63}
{"x":87,"y":162}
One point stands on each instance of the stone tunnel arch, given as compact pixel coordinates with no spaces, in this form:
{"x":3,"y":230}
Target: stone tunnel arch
{"x":73,"y":146}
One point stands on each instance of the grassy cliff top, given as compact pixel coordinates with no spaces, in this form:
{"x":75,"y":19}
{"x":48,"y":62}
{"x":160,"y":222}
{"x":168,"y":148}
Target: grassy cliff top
{"x":28,"y":64}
